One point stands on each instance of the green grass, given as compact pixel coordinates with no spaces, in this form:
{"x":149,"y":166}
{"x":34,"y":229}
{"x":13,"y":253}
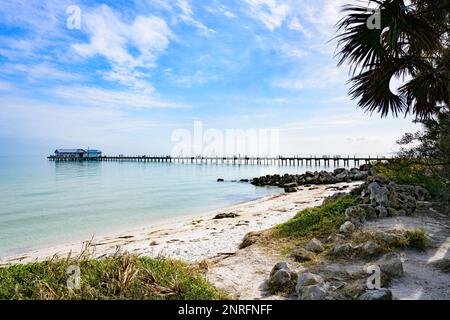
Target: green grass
{"x":402,"y":172}
{"x":123,"y":277}
{"x":317,"y":221}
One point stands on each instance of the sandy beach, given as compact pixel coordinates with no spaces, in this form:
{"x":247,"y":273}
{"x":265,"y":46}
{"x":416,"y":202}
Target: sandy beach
{"x":194,"y":238}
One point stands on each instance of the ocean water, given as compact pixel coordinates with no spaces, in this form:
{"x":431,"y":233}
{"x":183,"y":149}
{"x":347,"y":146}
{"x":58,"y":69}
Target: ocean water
{"x":46,"y":203}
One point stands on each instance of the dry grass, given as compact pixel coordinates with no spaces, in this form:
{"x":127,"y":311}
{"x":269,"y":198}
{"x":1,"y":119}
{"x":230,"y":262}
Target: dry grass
{"x":408,"y":238}
{"x":120,"y":276}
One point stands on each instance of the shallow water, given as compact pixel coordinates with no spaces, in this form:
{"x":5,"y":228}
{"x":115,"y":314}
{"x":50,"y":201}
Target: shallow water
{"x":43,"y":202}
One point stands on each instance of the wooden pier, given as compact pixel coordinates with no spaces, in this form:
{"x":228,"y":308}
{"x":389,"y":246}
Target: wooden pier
{"x":281,"y":161}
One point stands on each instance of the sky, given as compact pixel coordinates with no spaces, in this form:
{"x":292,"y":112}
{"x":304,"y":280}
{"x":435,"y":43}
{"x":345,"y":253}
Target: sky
{"x":128,"y":76}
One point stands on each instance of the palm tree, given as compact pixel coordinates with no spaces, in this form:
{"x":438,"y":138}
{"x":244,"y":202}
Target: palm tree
{"x":411,"y":43}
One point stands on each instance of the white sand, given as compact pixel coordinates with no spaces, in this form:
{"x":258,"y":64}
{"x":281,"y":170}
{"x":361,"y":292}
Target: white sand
{"x":195,"y":239}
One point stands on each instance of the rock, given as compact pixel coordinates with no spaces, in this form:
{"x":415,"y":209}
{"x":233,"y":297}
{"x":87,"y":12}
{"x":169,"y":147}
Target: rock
{"x":279,"y":266}
{"x":424,"y":204}
{"x":421,"y":193}
{"x":378,"y":194}
{"x":290,"y":185}
{"x":249,"y":239}
{"x":365,"y":167}
{"x":369,"y":210}
{"x":406,"y":190}
{"x":354,"y":170}
{"x":280,"y":280}
{"x":347,"y":227}
{"x":380,"y":294}
{"x":408,"y":204}
{"x":308,"y":279}
{"x":342,"y":176}
{"x":380,"y":180}
{"x":339,"y":170}
{"x":355,"y":214}
{"x":311,"y":287}
{"x":226,"y":215}
{"x":281,"y":277}
{"x":244,"y":180}
{"x":322,"y":177}
{"x":302,"y":255}
{"x":381,"y":212}
{"x":290,"y":189}
{"x":336,"y":238}
{"x":391,"y":265}
{"x":370,"y":248}
{"x":333,"y":197}
{"x":314,"y":246}
{"x":360,"y":175}
{"x":341,"y":249}
{"x":153,"y":243}
{"x":358,"y":191}
{"x":309,"y":174}
{"x":393,"y":212}
{"x":314,"y":292}
{"x":326,"y":177}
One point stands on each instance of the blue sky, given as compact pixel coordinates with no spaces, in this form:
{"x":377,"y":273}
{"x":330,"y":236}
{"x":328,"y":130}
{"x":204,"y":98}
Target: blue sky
{"x":135,"y":71}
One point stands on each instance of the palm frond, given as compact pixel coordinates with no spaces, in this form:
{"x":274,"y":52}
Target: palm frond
{"x":372,"y":89}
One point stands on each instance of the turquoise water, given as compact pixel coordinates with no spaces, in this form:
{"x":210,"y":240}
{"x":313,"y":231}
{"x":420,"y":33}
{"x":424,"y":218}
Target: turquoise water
{"x":43,"y":202}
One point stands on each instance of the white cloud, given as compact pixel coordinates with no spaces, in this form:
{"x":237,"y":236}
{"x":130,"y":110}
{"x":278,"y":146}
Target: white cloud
{"x":221,"y":9}
{"x":40,"y":72}
{"x":320,"y":78}
{"x":296,"y":25}
{"x":319,"y":19}
{"x":293,"y":84}
{"x":272,"y":13}
{"x":113,"y":38}
{"x":335,"y":100}
{"x":197,"y":78}
{"x":187,"y":16}
{"x":127,"y":77}
{"x":343,"y":131}
{"x":292,"y":51}
{"x":316,"y":19}
{"x":229,"y":14}
{"x":104,"y":98}
{"x":80,"y":126}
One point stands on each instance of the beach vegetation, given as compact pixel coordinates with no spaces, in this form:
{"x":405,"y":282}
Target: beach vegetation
{"x":318,"y":221}
{"x":118,"y":277}
{"x":424,"y":158}
{"x":410,"y":238}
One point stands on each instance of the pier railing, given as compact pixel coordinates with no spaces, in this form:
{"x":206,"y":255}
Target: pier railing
{"x":336,"y":160}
